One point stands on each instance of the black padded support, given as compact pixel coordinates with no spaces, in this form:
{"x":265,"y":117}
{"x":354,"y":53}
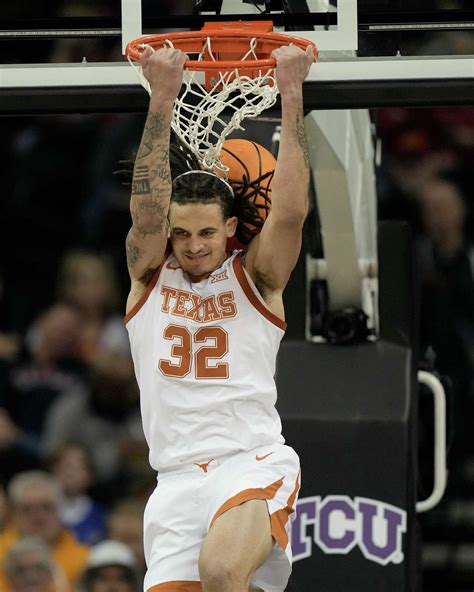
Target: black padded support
{"x":347,"y":412}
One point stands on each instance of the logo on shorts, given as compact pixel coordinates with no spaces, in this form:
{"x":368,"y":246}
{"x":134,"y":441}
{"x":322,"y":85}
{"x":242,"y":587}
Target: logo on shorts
{"x":204,"y":466}
{"x":262,"y":457}
{"x":339,"y":524}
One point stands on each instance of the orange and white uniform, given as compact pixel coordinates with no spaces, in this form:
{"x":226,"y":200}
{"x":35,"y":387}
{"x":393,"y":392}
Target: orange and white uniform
{"x":205,"y":355}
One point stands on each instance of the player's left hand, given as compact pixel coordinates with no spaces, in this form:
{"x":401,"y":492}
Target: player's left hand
{"x":292,"y":67}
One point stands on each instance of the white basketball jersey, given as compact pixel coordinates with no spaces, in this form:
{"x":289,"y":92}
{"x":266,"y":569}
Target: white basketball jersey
{"x":204,"y":355}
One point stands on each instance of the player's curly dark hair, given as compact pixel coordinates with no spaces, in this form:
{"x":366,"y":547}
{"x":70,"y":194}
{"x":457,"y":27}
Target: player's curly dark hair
{"x":203,"y":187}
{"x":208,"y":189}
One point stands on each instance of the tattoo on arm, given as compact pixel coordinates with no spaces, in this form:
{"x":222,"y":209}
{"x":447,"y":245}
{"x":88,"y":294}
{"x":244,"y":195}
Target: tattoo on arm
{"x":133,"y":256}
{"x":141,"y":181}
{"x":149,"y":215}
{"x":151,"y":185}
{"x":154,"y":128}
{"x":133,"y":252}
{"x":140,"y":186}
{"x":161,"y":169}
{"x":151,"y":204}
{"x":301,"y":135}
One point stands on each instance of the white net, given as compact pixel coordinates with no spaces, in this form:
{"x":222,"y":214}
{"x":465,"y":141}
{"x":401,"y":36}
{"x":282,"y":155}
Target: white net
{"x":204,"y":118}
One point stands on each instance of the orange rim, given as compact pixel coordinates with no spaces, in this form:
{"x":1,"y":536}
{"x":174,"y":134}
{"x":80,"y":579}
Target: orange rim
{"x":224,"y":41}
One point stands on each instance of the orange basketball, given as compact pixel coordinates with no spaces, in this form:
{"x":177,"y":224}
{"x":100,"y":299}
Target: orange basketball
{"x":251,"y":168}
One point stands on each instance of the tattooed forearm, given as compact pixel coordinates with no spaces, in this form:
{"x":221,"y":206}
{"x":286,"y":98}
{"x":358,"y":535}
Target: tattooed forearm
{"x":302,"y":138}
{"x":155,"y":127}
{"x":161,"y":169}
{"x":152,"y":161}
{"x":151,"y":194}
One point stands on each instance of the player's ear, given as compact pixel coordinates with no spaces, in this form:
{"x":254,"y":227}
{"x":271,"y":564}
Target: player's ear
{"x":231,"y":226}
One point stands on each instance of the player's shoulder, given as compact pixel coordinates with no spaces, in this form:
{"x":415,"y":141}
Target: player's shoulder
{"x":141,"y":288}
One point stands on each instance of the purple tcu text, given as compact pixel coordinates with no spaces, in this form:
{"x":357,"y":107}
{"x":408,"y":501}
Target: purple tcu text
{"x":340,"y":523}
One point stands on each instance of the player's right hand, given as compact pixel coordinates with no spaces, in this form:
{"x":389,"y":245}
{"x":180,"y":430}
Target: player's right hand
{"x":164,"y":70}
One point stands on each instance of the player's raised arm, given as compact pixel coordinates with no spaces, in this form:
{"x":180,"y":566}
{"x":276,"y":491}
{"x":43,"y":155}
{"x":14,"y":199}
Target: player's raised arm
{"x":151,"y":184}
{"x":273,"y":254}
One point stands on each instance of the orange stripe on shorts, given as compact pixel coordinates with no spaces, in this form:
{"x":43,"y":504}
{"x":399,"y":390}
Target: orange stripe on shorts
{"x":180,"y":586}
{"x":280,"y":518}
{"x":246,"y":495}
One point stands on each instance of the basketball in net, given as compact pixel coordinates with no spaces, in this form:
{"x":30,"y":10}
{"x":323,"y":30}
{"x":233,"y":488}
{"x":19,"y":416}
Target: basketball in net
{"x":250,"y":173}
{"x":236,"y":63}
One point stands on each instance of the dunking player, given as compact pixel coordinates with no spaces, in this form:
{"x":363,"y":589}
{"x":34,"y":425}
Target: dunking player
{"x":205,"y":328}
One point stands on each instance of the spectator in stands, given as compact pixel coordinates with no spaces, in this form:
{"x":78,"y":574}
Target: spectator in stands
{"x":72,"y":465}
{"x":125,"y":524}
{"x":110,"y":410}
{"x":86,"y":281}
{"x":446,"y":260}
{"x":47,"y":367}
{"x":34,"y":498}
{"x":3,"y":507}
{"x":9,"y":345}
{"x":42,"y":153}
{"x":110,"y":568}
{"x":29,"y":567}
{"x":446,"y":257}
{"x":105,"y":214}
{"x":15,"y":454}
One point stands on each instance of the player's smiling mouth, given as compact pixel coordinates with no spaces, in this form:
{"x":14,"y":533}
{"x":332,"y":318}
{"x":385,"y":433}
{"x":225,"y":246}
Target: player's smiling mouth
{"x":196,"y":257}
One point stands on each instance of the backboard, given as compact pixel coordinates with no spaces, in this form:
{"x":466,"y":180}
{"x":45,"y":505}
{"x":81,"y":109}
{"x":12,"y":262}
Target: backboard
{"x":372,"y":52}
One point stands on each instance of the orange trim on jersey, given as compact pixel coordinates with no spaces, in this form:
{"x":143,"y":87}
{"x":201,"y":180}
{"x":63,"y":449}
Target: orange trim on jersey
{"x":263,"y":493}
{"x":279,"y":518}
{"x":178,"y":586}
{"x":143,"y":298}
{"x":244,"y":284}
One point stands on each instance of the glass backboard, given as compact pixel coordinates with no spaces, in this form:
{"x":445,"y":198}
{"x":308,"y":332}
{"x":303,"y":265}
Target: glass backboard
{"x":372,"y":52}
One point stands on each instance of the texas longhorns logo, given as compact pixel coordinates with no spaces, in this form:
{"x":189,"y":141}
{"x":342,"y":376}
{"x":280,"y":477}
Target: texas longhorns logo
{"x":204,"y":466}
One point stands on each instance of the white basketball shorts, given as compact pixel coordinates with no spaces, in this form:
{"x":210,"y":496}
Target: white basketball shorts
{"x":186,"y":502}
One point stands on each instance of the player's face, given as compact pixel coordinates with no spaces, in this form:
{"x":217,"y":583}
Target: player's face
{"x":198,"y":234}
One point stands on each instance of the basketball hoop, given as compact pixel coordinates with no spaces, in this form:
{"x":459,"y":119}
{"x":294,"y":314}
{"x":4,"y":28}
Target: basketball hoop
{"x":239,"y":79}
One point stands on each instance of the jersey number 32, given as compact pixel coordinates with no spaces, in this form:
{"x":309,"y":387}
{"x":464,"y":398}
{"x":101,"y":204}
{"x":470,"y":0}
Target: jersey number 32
{"x":215,"y":346}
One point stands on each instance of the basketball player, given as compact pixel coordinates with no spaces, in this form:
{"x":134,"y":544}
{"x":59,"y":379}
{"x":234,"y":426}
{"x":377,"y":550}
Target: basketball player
{"x":205,"y":327}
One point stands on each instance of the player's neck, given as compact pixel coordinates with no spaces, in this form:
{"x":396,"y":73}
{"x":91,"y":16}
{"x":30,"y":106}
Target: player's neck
{"x":199,"y":278}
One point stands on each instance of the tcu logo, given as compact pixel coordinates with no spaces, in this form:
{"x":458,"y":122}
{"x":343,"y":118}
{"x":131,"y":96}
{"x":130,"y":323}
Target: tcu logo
{"x":341,"y":523}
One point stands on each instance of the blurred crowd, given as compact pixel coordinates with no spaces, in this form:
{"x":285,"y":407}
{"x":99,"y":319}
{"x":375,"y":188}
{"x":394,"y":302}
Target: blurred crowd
{"x":74,"y":474}
{"x":426,"y":179}
{"x":73,"y":461}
